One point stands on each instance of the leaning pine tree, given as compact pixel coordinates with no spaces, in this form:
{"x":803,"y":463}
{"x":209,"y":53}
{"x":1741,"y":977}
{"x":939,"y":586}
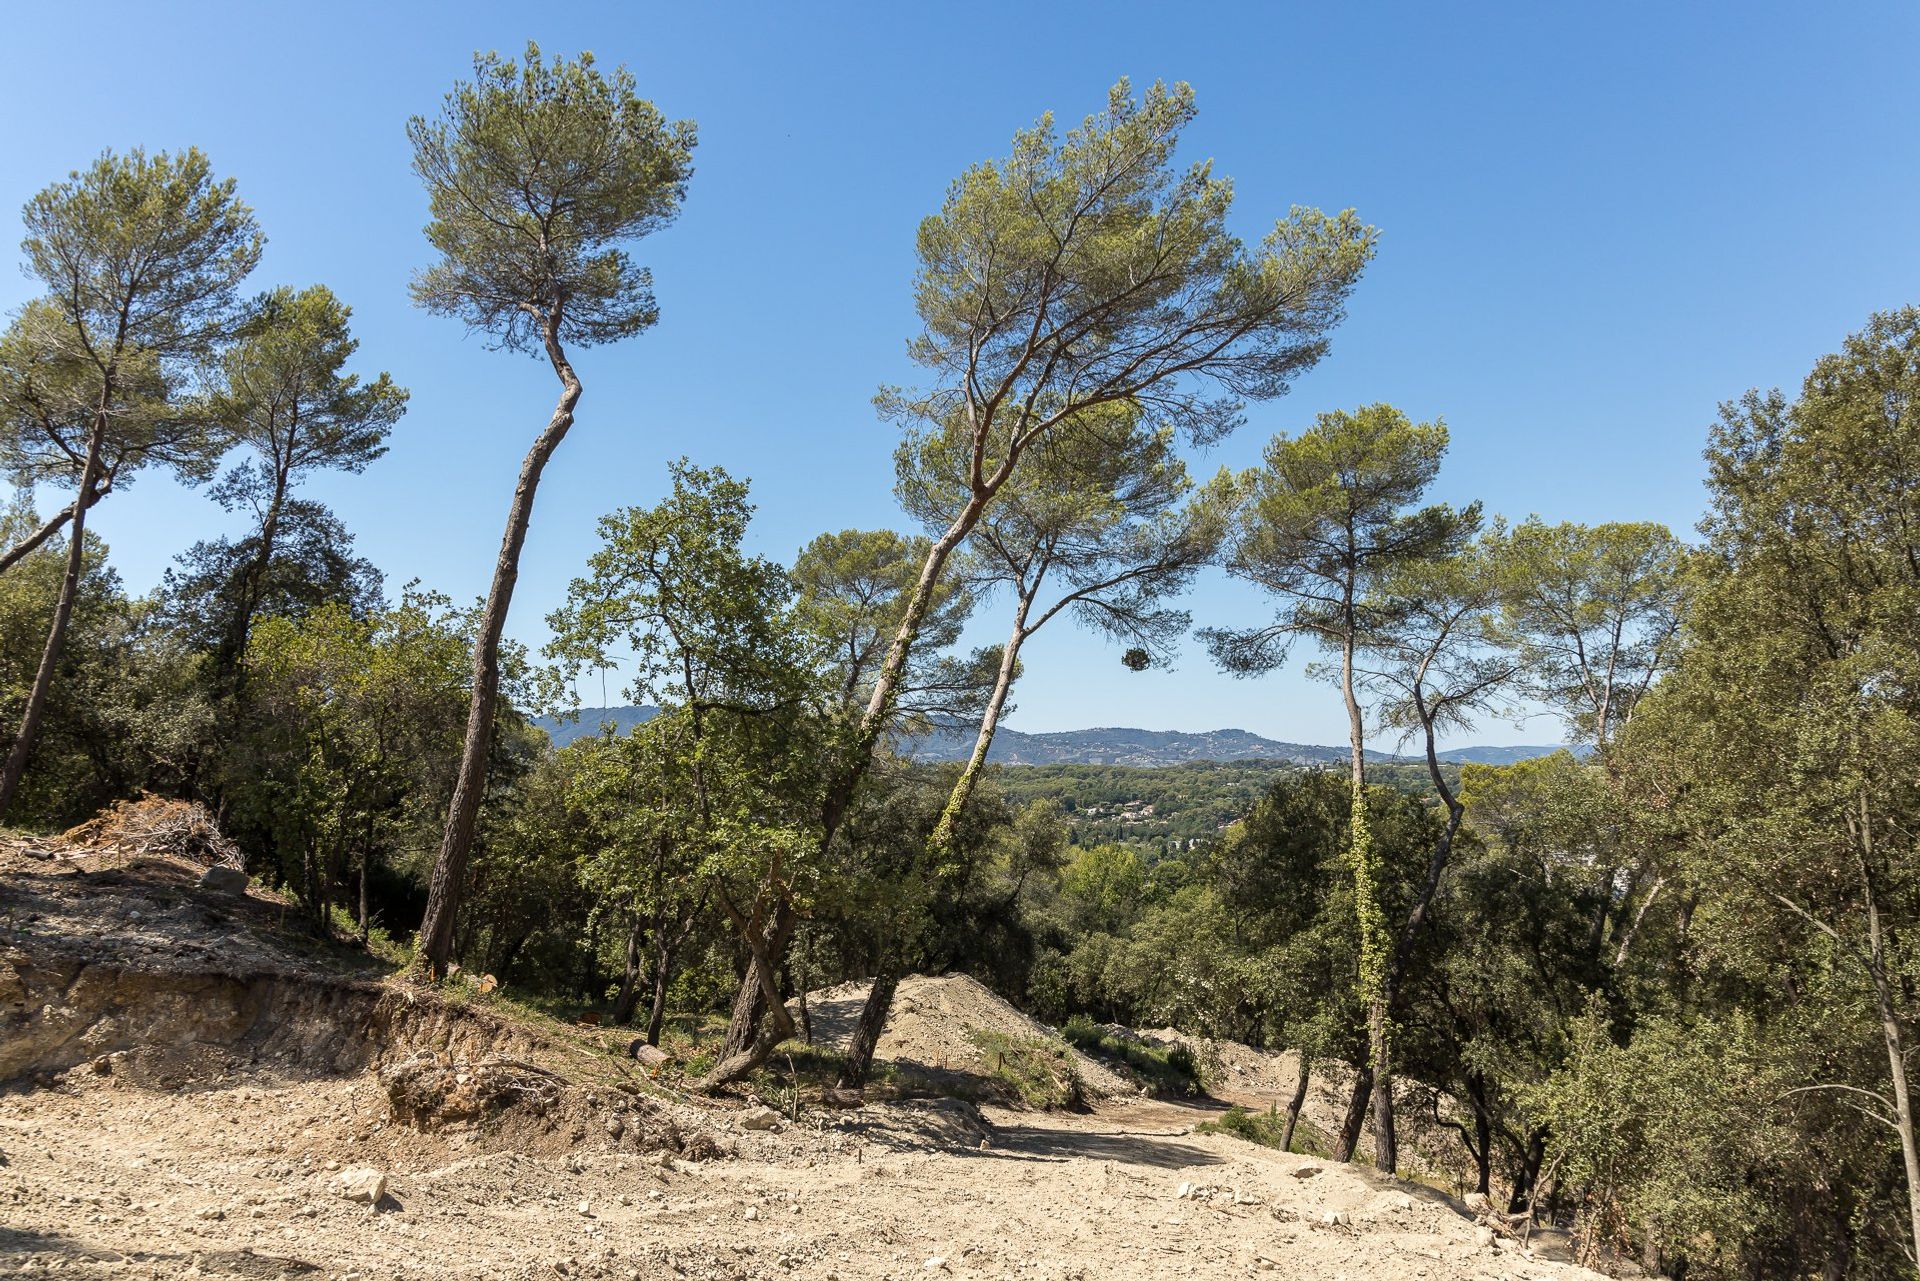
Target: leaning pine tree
{"x":1080,"y":273}
{"x":537,"y":172}
{"x":140,"y":257}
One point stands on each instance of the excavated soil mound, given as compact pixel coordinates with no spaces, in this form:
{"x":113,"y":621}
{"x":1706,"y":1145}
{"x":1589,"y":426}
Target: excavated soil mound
{"x":935,"y":1026}
{"x":128,"y":968}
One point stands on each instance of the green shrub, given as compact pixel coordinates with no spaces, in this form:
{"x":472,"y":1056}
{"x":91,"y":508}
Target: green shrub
{"x":1165,"y":1069}
{"x":1265,"y":1128}
{"x":1039,"y":1071}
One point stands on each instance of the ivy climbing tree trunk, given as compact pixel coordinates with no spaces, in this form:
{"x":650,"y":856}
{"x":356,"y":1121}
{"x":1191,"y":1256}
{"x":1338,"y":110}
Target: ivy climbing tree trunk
{"x":1368,"y":918}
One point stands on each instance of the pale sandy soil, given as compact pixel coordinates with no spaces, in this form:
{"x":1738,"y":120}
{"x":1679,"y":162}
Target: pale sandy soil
{"x":104,"y":1179}
{"x":187,"y":1080}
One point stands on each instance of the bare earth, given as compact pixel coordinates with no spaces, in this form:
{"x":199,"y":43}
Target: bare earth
{"x":217,"y":1154}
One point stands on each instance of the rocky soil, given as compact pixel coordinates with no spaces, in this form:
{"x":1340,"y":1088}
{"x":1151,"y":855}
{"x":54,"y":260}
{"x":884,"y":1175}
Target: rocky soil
{"x":195,"y":1092}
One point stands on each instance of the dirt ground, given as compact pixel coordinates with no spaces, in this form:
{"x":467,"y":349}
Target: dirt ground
{"x":188,"y":1087}
{"x":107,"y":1180}
{"x":930,"y":1024}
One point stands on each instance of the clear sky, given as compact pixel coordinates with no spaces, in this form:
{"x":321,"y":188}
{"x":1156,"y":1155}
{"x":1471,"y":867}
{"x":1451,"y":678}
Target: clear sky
{"x":1597,"y":222}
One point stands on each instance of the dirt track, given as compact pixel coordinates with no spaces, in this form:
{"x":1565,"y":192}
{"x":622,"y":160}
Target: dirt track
{"x":104,"y":1179}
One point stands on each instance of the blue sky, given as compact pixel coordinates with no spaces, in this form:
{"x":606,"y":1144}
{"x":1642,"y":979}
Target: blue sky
{"x":1597,"y":222}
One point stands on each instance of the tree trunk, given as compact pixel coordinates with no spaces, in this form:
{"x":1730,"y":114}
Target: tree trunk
{"x":1356,"y":1116}
{"x":1297,"y":1102}
{"x":26,"y":546}
{"x":1528,"y":1175}
{"x":1386,"y":1151}
{"x":470,"y":785}
{"x":662,"y":975}
{"x":941,"y":842}
{"x":1375,"y":965}
{"x":750,"y":1001}
{"x":1893,"y":1033}
{"x":366,"y":853}
{"x":748,"y":1008}
{"x":775,"y":1026}
{"x":629,"y":998}
{"x":1483,"y":1136}
{"x":759,"y":1015}
{"x":233,"y":646}
{"x":16,"y":766}
{"x":866,"y":1033}
{"x":745,"y":1020}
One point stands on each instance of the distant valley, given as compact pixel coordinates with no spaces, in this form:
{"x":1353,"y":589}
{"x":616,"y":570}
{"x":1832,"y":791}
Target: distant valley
{"x":1107,"y":746}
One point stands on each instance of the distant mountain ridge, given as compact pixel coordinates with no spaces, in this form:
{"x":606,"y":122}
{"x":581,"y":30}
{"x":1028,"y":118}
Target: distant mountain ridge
{"x":1105,"y":746}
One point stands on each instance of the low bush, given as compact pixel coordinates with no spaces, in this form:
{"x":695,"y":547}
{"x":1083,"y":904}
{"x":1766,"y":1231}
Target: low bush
{"x":1039,"y":1071}
{"x":1165,"y":1069}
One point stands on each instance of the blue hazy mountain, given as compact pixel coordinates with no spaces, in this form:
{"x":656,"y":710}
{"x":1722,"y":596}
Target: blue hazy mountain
{"x":590,"y":720}
{"x":1111,"y":746}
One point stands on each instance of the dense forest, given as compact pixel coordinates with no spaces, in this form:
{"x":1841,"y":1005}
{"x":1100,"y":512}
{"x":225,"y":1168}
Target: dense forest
{"x":1667,"y":985}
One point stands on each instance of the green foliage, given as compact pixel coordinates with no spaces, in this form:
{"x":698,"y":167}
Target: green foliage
{"x":851,"y":593}
{"x":1095,"y":234}
{"x":1040,"y":1072}
{"x":1166,"y":1069}
{"x":1326,"y":518}
{"x":1594,"y":611}
{"x":126,"y":713}
{"x":536,"y":173}
{"x":141,"y":253}
{"x":1266,"y":1129}
{"x":351,"y":728}
{"x":284,"y":394}
{"x":671,"y":593}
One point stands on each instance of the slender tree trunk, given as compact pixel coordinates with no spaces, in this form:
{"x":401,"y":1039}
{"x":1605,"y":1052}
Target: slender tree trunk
{"x":233,"y":646}
{"x":866,"y":1033}
{"x":662,"y":975}
{"x":963,"y":787}
{"x":470,"y":785}
{"x":1626,"y":935}
{"x":1483,"y":1135}
{"x":873,"y":1014}
{"x":629,"y":998}
{"x":1528,"y":1176}
{"x":775,"y":1025}
{"x":747,"y":1006}
{"x":750,"y":1000}
{"x":799,"y":987}
{"x":26,"y":546}
{"x":1893,"y":1033}
{"x":1386,"y":1152}
{"x":16,"y":766}
{"x":366,"y":854}
{"x":1375,"y":965}
{"x":1296,"y":1103}
{"x":1356,"y":1117}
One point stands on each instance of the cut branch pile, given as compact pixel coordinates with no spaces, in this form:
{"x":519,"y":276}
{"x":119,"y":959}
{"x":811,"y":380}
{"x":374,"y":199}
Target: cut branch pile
{"x":151,"y":825}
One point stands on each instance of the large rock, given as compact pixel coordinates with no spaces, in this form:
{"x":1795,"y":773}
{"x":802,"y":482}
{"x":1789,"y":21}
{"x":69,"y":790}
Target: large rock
{"x":360,"y":1184}
{"x":649,"y":1056}
{"x":224,"y":880}
{"x":761,"y":1117}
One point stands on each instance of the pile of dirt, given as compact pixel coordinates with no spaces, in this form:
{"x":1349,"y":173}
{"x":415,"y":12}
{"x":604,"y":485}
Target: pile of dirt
{"x":935,"y":1030}
{"x":129,"y":969}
